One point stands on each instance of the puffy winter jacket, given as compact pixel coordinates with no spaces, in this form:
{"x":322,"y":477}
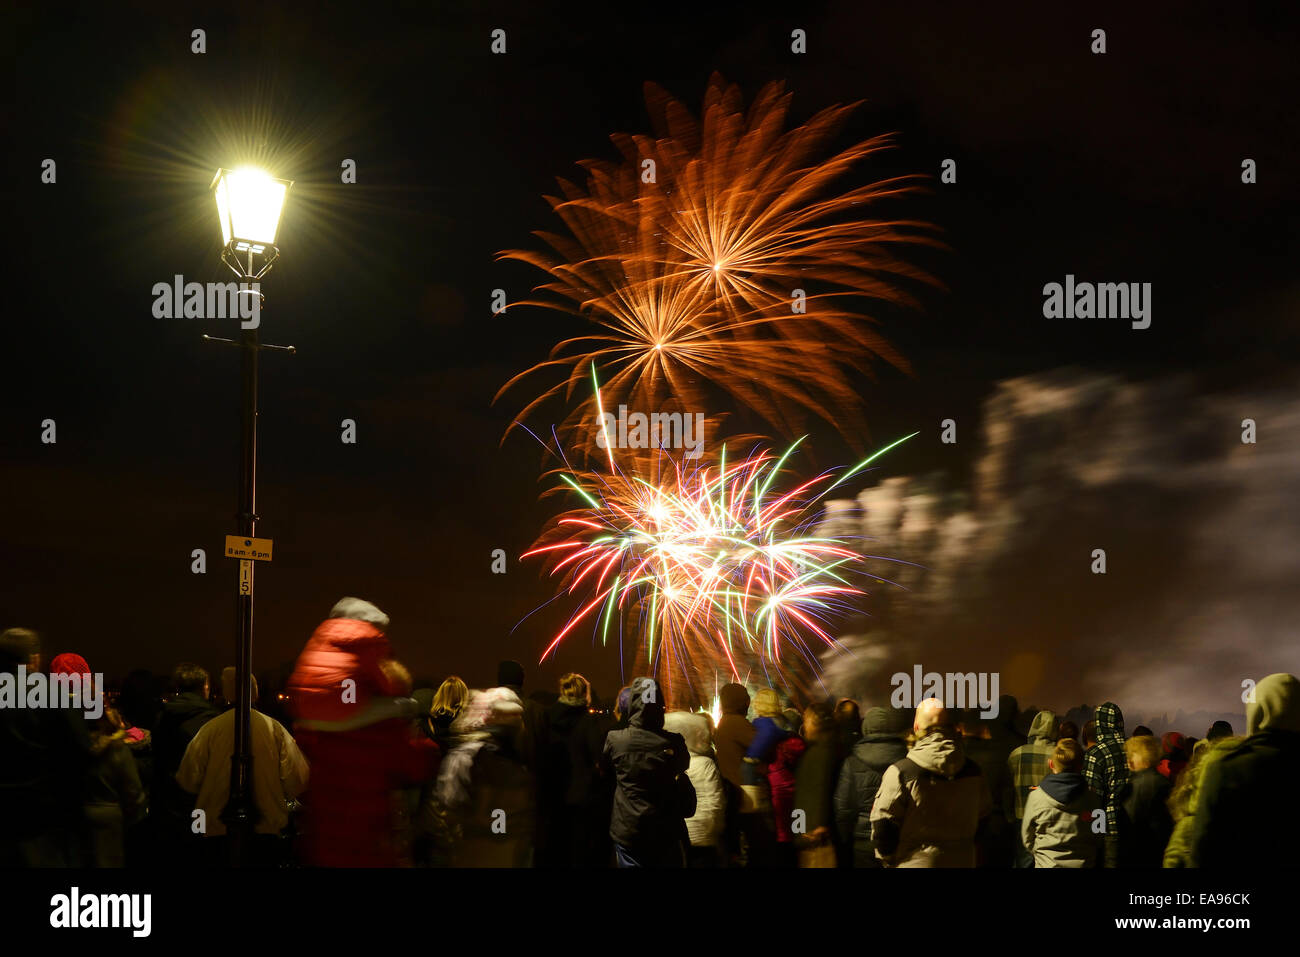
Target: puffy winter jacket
{"x":339,"y":649}
{"x":1057,"y":828}
{"x":705,"y":826}
{"x":646,"y":761}
{"x":863,"y":770}
{"x":930,"y":805}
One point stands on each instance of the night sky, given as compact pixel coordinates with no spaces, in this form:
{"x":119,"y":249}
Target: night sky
{"x":1117,"y":167}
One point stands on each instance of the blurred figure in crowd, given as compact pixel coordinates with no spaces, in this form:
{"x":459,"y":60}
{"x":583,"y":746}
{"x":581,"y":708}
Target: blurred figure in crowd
{"x":704,"y":827}
{"x":486,"y":786}
{"x":354,"y":727}
{"x":1242,"y":818}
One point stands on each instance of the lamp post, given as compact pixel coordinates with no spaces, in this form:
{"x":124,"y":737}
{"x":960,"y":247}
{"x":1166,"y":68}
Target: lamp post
{"x":249,"y":202}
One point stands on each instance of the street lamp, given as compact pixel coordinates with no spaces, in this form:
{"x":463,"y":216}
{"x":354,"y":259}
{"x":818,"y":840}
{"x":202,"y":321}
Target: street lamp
{"x":249,"y":202}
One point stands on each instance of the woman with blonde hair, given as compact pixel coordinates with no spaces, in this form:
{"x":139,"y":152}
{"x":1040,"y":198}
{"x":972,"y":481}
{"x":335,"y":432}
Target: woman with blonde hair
{"x":773,"y":755}
{"x":448,"y":702}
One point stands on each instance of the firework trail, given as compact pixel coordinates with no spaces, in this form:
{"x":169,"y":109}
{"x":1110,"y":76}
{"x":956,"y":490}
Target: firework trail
{"x":721,"y":253}
{"x":714,"y":568}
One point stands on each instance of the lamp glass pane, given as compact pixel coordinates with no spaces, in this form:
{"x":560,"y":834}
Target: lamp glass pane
{"x":255,"y":201}
{"x":223,"y":209}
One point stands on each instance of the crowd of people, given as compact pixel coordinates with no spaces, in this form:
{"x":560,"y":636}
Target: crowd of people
{"x":376,"y":773}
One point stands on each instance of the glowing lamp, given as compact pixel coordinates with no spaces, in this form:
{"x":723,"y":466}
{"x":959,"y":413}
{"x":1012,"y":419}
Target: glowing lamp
{"x":249,"y":203}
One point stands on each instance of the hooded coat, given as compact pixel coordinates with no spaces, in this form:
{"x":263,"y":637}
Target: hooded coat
{"x":1027,"y":765}
{"x":1247,"y":796}
{"x":930,"y":805}
{"x":646,"y":761}
{"x":1105,"y":766}
{"x":340,"y":649}
{"x":1057,"y":828}
{"x":704,"y":827}
{"x":861,"y":774}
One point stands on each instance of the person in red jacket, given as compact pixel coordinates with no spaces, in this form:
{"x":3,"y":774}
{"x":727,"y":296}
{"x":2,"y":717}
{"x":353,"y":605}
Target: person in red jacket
{"x":350,"y":698}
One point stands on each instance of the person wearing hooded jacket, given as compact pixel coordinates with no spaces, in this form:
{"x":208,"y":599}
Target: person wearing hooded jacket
{"x":648,"y":825}
{"x":1026,"y":767}
{"x":1105,"y":768}
{"x":704,"y":827}
{"x":1247,"y":795}
{"x":350,"y":701}
{"x":931,"y":803}
{"x":1057,"y":827}
{"x":880,"y":746}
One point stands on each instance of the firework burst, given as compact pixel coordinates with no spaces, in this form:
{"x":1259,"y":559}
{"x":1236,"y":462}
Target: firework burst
{"x":723,"y":252}
{"x":714,"y":568}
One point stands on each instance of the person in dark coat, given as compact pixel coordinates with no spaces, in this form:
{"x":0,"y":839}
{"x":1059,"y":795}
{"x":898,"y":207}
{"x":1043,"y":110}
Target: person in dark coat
{"x":990,"y":743}
{"x":570,"y":794}
{"x":174,"y":729}
{"x":44,"y":753}
{"x":651,"y":803}
{"x":814,"y":788}
{"x":880,"y":746}
{"x":1143,"y":806}
{"x":1244,"y":809}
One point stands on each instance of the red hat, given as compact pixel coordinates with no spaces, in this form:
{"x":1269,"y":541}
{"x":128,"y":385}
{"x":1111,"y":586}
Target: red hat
{"x":69,"y":664}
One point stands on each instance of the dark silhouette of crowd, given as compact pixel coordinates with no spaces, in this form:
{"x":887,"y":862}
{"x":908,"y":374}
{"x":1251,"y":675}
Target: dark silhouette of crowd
{"x":354,"y":767}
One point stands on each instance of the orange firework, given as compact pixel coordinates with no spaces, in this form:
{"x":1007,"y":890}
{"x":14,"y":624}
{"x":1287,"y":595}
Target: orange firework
{"x":722,"y":252}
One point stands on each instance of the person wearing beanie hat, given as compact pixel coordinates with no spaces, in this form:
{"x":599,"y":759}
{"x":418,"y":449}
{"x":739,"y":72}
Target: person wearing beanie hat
{"x":880,"y":746}
{"x":1243,"y":817}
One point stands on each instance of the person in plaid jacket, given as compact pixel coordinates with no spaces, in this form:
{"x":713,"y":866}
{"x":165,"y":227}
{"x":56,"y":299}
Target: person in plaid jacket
{"x":1105,"y":768}
{"x":1026,"y":768}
